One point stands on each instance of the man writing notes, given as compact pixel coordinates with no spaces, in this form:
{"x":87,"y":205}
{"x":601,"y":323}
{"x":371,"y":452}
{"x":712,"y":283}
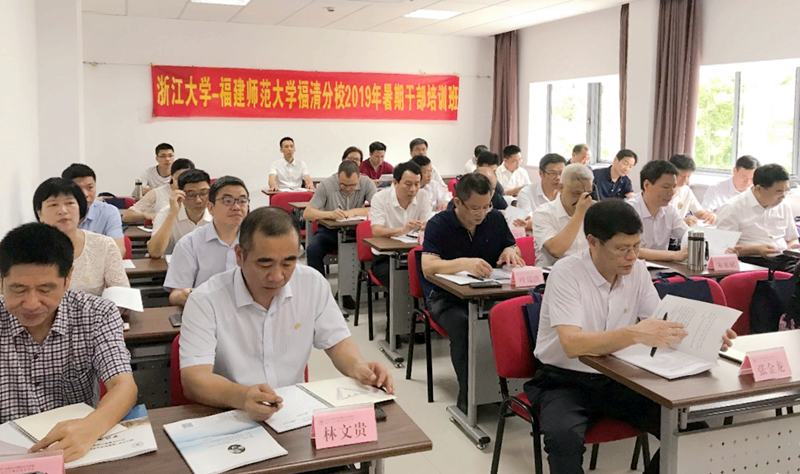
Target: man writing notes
{"x":57,"y":344}
{"x":209,"y":249}
{"x":438,"y":195}
{"x":558,"y":225}
{"x":596,"y":302}
{"x":403,"y":208}
{"x":511,"y":174}
{"x":534,"y":195}
{"x":289,"y":173}
{"x":250,"y":329}
{"x":685,"y":201}
{"x":470,"y":237}
{"x":722,"y":192}
{"x":765,"y":220}
{"x":613,"y":182}
{"x":660,"y":221}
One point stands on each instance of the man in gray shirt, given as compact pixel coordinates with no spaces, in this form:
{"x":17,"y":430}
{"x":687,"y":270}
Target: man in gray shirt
{"x":338,"y":197}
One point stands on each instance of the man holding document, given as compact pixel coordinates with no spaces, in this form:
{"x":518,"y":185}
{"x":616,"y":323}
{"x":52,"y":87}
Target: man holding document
{"x":597,"y":302}
{"x":250,"y":329}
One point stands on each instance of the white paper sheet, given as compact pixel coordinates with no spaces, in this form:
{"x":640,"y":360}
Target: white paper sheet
{"x":406,"y":239}
{"x":168,"y":258}
{"x":297,"y":411}
{"x":127,"y":263}
{"x":130,"y":298}
{"x":352,"y":219}
{"x":141,"y":227}
{"x":512,"y":213}
{"x":718,"y":240}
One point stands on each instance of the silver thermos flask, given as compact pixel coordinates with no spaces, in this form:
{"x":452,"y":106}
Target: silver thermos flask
{"x":697,"y":251}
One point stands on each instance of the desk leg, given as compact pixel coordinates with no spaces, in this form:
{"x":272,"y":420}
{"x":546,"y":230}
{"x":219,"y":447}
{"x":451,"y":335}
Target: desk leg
{"x":669,"y":441}
{"x":376,"y":467}
{"x":469,"y":422}
{"x":309,"y":233}
{"x":348,"y":270}
{"x":401,"y":307}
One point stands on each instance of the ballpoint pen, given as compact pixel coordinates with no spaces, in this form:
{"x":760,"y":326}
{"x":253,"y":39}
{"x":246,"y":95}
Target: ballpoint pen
{"x":653,"y":350}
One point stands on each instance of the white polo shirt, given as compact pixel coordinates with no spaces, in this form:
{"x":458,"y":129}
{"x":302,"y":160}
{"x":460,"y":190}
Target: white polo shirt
{"x":577,"y":295}
{"x":548,"y":220}
{"x":385,"y":209}
{"x":437,"y":195}
{"x":718,"y":194}
{"x":182,"y":226}
{"x":508,"y":179}
{"x":198,"y":256}
{"x":759,"y":226}
{"x":531,"y":197}
{"x":288,"y":175}
{"x":685,"y":201}
{"x":249,"y":344}
{"x":658,"y":229}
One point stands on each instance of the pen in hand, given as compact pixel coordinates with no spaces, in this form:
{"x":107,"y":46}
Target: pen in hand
{"x":653,"y":350}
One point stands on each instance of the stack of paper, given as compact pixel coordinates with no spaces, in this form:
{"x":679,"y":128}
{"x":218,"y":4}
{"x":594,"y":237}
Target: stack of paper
{"x":130,"y":298}
{"x":352,"y":219}
{"x":406,"y":239}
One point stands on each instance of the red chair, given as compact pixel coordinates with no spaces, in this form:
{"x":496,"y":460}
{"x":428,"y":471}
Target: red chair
{"x":717,"y":295}
{"x":128,"y":248}
{"x":513,"y":357}
{"x":282,"y":200}
{"x":364,"y":251}
{"x":451,"y":186}
{"x":739,"y":289}
{"x":129,"y":202}
{"x":527,"y":250}
{"x":420,"y":315}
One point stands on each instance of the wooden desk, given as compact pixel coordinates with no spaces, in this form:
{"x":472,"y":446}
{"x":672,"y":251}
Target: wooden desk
{"x":398,"y":435}
{"x":299,"y":205}
{"x":401,"y":303}
{"x":152,"y":325}
{"x":137,"y":235}
{"x":687,"y":399}
{"x":347,"y":259}
{"x":147,"y":267}
{"x":683,"y":268}
{"x":482,"y":371}
{"x":149,"y":341}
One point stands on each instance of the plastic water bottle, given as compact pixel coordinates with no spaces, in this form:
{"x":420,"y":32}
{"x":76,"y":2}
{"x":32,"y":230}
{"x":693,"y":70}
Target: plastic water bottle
{"x":137,"y":190}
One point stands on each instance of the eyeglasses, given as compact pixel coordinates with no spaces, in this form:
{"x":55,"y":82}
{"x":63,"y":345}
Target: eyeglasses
{"x":230,"y":201}
{"x":196,"y":194}
{"x":480,"y":210}
{"x":553,"y":174}
{"x":624,"y":251}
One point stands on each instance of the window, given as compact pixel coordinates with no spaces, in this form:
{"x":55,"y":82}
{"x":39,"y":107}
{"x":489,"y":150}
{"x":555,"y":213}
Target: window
{"x":747,"y":109}
{"x":566,"y":113}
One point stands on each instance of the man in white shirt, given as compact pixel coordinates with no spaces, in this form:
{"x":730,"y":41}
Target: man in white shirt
{"x":510,"y":173}
{"x":765,"y":220}
{"x":419,"y":146}
{"x":209,"y":249}
{"x":157,"y":198}
{"x":472,"y":163}
{"x":397,"y":211}
{"x":596,"y":302}
{"x":250,"y":330}
{"x":160,"y":174}
{"x":289,"y":173}
{"x":660,"y":221}
{"x":581,"y":155}
{"x":558,"y":225}
{"x":546,"y":190}
{"x":187,"y":210}
{"x":438,"y":195}
{"x":720,"y":193}
{"x":685,"y":201}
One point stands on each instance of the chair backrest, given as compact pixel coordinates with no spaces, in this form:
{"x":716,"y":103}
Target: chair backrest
{"x":513,"y":354}
{"x":451,"y":185}
{"x":414,"y":283}
{"x":525,"y":245}
{"x":282,"y":200}
{"x":128,"y":248}
{"x":129,"y":201}
{"x":364,"y":231}
{"x":176,"y":395}
{"x":717,"y":295}
{"x":739,"y":288}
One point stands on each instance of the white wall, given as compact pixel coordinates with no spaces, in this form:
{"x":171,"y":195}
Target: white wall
{"x":121,"y":134}
{"x":19,"y":139}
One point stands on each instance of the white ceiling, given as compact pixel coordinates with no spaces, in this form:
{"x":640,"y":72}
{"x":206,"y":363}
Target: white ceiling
{"x":478,"y":17}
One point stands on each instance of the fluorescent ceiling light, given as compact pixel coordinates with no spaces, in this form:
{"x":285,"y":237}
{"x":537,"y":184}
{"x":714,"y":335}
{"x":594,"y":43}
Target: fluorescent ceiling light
{"x":238,"y":3}
{"x":432,"y":14}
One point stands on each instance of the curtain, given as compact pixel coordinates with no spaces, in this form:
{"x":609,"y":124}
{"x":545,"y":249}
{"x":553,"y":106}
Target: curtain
{"x":623,"y":73}
{"x":505,"y":112}
{"x":677,"y":77}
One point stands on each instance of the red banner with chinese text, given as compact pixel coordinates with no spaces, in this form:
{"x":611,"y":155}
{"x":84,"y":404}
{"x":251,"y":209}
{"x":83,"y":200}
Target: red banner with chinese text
{"x":180,"y":91}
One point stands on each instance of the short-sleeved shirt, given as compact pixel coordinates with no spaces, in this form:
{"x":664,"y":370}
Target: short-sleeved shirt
{"x":99,"y":266}
{"x":437,"y":193}
{"x":685,"y":201}
{"x":103,"y":218}
{"x":368,"y":171}
{"x":288,"y":175}
{"x":182,"y":226}
{"x":329,"y":195}
{"x":85,"y":344}
{"x":151,"y":179}
{"x":512,"y":179}
{"x":155,"y":200}
{"x":531,"y":197}
{"x":446,"y":238}
{"x":547,"y":221}
{"x":198,"y":256}
{"x":758,"y":225}
{"x":609,"y":189}
{"x":385,"y":210}
{"x":249,"y":344}
{"x":578,"y":295}
{"x":718,"y":194}
{"x":471,"y":165}
{"x":657,"y":230}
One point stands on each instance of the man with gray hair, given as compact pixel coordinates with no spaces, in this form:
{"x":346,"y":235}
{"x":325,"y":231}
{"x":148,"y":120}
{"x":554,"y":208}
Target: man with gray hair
{"x":558,"y":225}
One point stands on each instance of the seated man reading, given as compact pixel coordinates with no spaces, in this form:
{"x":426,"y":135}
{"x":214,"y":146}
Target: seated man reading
{"x":437,"y":194}
{"x":613,"y":182}
{"x":209,"y":249}
{"x":685,"y":201}
{"x":250,"y":329}
{"x":534,"y":195}
{"x":56,"y":344}
{"x":511,"y":174}
{"x":470,"y":237}
{"x":596,"y":302}
{"x":718,"y":194}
